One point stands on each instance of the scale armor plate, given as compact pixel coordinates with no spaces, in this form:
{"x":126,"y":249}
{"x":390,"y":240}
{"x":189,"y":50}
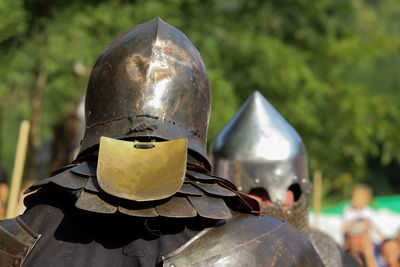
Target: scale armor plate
{"x":207,"y":196}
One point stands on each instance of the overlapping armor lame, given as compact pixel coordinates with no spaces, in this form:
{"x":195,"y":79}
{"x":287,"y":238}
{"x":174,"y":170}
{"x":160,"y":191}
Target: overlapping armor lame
{"x":201,"y":195}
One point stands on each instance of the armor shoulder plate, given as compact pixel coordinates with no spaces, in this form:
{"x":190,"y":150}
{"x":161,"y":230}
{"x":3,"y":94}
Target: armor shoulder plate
{"x":326,"y":248}
{"x":16,"y":241}
{"x":246,"y":240}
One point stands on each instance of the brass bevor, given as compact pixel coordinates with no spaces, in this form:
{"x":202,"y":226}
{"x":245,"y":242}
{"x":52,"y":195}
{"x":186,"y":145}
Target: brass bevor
{"x":141,"y":171}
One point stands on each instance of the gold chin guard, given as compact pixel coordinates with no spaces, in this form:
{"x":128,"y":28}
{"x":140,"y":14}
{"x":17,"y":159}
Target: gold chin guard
{"x":141,"y":171}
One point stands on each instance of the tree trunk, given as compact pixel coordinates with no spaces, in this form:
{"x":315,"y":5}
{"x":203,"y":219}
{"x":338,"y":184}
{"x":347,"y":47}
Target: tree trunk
{"x":36,"y":125}
{"x":37,"y":109}
{"x":1,"y":132}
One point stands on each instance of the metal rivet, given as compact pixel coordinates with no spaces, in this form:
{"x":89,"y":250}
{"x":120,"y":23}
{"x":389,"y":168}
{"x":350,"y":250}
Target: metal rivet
{"x":240,"y":188}
{"x":303,"y":180}
{"x":294,"y":177}
{"x":257,"y":181}
{"x":289,"y":212}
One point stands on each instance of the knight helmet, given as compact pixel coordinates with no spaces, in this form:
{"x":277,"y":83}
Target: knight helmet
{"x":259,"y":149}
{"x":150,"y":82}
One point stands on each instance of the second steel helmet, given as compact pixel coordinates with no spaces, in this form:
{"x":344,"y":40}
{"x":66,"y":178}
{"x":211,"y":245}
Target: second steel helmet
{"x":266,"y":157}
{"x":258,"y":148}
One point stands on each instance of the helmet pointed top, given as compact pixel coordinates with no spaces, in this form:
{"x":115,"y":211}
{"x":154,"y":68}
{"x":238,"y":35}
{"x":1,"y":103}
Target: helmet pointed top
{"x":257,"y":132}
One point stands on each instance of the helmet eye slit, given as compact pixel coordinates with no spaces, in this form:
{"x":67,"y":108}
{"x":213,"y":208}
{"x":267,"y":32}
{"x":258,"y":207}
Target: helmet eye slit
{"x":261,"y":193}
{"x":296,"y":190}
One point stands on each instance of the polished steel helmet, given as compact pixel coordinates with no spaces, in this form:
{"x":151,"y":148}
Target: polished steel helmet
{"x":149,"y":82}
{"x":259,"y":149}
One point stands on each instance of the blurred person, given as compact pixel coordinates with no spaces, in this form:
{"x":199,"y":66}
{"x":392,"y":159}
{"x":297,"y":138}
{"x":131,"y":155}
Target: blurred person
{"x":67,"y":136}
{"x":358,"y":224}
{"x":359,"y":245}
{"x":3,"y":192}
{"x":390,"y":252}
{"x":264,"y":155}
{"x":140,"y":192}
{"x":359,"y":209}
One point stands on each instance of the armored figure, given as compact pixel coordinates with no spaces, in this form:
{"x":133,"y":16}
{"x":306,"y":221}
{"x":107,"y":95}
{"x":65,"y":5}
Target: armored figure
{"x":140,"y":192}
{"x":263,"y":155}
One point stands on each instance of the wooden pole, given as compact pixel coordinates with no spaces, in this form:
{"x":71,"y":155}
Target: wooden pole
{"x":317,"y":198}
{"x":18,"y":169}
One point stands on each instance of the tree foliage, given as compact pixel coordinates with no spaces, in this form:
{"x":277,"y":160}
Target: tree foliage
{"x":329,"y":66}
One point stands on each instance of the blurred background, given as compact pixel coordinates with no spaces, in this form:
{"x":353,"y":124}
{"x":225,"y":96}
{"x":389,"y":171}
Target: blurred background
{"x":330,"y":67}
